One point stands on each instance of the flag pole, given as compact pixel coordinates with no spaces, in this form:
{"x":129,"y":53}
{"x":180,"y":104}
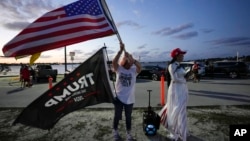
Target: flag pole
{"x":109,"y":14}
{"x":65,"y":59}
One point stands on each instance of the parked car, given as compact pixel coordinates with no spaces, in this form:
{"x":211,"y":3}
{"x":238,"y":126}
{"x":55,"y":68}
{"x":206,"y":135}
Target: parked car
{"x":112,"y":74}
{"x":188,"y":68}
{"x":4,"y":68}
{"x":232,"y":69}
{"x":151,"y":72}
{"x":44,"y":71}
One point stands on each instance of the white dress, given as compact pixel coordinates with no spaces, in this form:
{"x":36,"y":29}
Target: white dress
{"x":174,"y":113}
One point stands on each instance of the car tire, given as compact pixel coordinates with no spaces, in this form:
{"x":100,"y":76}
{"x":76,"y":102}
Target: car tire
{"x":155,"y":77}
{"x":37,"y":79}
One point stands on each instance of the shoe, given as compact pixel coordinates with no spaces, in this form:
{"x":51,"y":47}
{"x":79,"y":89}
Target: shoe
{"x":130,"y":137}
{"x":116,"y":135}
{"x":172,"y":137}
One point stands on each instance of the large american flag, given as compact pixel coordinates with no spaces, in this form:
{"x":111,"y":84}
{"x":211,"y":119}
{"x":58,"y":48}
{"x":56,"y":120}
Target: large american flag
{"x":79,"y":21}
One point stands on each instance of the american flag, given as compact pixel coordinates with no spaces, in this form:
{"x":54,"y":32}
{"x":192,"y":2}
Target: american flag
{"x":77,"y":22}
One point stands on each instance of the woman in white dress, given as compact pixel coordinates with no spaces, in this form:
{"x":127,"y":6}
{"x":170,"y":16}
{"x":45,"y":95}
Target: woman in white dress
{"x":174,"y":113}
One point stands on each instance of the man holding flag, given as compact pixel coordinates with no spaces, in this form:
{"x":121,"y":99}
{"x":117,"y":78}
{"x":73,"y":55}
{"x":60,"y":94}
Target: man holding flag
{"x":126,"y":72}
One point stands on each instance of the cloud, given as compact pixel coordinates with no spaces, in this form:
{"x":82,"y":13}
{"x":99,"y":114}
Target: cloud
{"x":16,"y":13}
{"x":110,"y":51}
{"x":232,"y":41}
{"x":45,"y":56}
{"x":167,"y":31}
{"x":140,"y":54}
{"x":128,"y":23}
{"x":77,"y":51}
{"x":187,"y":35}
{"x":151,"y":55}
{"x":142,"y":46}
{"x":90,"y":53}
{"x":16,"y":25}
{"x":137,"y":13}
{"x":134,"y":1}
{"x":24,"y":9}
{"x":205,"y":30}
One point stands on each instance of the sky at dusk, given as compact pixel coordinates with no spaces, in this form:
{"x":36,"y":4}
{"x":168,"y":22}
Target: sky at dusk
{"x":150,"y":29}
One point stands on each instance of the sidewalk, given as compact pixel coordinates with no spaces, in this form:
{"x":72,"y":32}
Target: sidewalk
{"x":209,"y":92}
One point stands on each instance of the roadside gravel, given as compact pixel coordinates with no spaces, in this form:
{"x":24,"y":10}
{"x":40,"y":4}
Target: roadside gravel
{"x":94,"y":124}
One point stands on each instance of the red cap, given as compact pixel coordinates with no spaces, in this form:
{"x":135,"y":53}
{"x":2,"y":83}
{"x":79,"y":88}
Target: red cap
{"x":176,"y":52}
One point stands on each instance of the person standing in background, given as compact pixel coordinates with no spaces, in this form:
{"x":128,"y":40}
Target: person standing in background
{"x":25,"y":73}
{"x":20,"y":74}
{"x":195,"y":70}
{"x":126,"y":72}
{"x":174,"y":113}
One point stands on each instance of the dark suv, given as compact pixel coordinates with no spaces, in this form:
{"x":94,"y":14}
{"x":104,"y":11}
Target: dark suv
{"x":232,"y":69}
{"x":151,"y":72}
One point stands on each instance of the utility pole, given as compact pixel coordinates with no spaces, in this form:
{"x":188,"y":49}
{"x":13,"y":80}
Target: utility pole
{"x":237,"y":56}
{"x":65,"y":60}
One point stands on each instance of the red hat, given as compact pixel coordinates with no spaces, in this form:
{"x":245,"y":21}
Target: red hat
{"x":176,"y":52}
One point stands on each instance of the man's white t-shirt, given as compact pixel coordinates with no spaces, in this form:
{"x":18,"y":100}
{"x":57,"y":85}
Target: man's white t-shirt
{"x":125,"y":84}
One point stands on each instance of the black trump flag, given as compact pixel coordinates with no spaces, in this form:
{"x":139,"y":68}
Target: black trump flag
{"x":87,"y":85}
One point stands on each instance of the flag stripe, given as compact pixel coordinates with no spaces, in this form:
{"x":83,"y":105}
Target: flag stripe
{"x":56,"y":14}
{"x":61,"y":27}
{"x":43,"y":22}
{"x":45,"y":29}
{"x":63,"y":23}
{"x":58,"y":41}
{"x":57,"y":31}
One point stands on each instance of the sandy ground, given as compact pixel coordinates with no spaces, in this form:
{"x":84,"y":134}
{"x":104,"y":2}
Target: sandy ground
{"x":205,"y":124}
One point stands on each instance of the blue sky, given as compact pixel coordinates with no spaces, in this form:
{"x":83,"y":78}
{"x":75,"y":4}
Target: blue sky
{"x":150,"y":29}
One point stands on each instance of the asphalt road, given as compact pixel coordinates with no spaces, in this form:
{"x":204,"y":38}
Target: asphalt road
{"x":205,"y":93}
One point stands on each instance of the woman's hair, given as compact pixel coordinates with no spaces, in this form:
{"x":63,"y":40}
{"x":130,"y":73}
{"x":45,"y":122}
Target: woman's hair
{"x":123,"y":60}
{"x":126,"y":58}
{"x":173,"y":60}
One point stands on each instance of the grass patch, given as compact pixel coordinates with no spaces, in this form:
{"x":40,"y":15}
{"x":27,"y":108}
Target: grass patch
{"x":101,"y":131}
{"x":80,"y":125}
{"x":220,"y":118}
{"x":7,"y":136}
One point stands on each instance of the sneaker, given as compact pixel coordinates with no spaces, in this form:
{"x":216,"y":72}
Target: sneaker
{"x":130,"y":137}
{"x":117,"y":137}
{"x":172,"y":137}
